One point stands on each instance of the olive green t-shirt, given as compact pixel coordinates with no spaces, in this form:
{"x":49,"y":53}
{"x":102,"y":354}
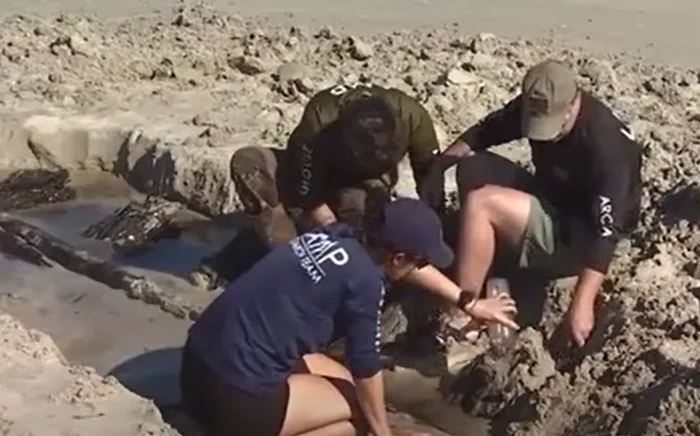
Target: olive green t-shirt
{"x":313,"y":164}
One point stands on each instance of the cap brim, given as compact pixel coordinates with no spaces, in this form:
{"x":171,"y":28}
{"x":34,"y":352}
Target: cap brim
{"x":441,"y":256}
{"x":543,"y":127}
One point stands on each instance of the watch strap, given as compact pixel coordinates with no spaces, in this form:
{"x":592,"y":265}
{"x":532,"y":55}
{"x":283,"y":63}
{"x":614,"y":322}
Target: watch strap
{"x":465,"y":299}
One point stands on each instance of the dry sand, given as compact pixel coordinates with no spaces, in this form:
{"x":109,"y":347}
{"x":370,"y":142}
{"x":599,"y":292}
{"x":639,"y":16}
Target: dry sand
{"x":212,"y":82}
{"x":41,"y":394}
{"x":648,"y":27}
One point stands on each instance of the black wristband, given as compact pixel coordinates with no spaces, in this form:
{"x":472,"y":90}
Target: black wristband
{"x":465,"y":297}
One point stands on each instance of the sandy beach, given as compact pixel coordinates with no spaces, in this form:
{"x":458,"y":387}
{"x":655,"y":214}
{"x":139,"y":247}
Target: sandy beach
{"x":157,"y":95}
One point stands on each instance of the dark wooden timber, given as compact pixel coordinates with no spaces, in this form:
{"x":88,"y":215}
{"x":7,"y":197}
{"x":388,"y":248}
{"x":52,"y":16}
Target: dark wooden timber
{"x":135,"y":226}
{"x":34,"y":245}
{"x":17,"y":247}
{"x":29,"y":188}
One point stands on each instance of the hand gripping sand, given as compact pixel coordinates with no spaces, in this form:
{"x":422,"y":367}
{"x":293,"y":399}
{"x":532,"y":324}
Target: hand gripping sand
{"x":42,"y":395}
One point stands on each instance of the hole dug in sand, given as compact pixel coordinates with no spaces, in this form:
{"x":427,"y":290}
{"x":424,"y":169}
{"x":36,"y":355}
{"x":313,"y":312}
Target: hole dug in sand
{"x":110,"y":330}
{"x":632,"y":377}
{"x":196,"y":107}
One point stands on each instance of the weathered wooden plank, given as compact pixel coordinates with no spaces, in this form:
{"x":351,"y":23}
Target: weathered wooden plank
{"x":97,"y":269}
{"x":65,"y":254}
{"x":29,"y":188}
{"x":17,"y":247}
{"x":136,"y":225}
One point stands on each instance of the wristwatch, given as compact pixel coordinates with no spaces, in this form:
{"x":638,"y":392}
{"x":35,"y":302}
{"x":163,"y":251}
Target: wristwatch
{"x":466,"y":300}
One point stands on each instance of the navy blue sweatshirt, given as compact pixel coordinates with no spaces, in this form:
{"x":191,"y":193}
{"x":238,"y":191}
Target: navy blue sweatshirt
{"x":255,"y":332}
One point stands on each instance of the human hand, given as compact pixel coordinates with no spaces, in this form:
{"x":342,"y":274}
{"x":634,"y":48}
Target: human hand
{"x":500,"y":309}
{"x":581,"y":321}
{"x":432,"y":188}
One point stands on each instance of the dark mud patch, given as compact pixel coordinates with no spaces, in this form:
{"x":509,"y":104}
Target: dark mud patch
{"x":30,"y":188}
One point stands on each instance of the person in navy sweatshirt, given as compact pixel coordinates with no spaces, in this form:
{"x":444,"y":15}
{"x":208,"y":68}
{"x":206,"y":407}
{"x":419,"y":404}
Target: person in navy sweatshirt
{"x":253,"y":363}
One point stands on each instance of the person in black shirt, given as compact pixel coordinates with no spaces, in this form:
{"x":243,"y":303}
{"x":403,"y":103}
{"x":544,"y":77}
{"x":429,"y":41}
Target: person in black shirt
{"x":583,"y":198}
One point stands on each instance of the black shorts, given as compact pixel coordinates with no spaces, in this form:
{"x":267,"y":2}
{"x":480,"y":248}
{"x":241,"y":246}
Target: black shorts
{"x":221,"y":409}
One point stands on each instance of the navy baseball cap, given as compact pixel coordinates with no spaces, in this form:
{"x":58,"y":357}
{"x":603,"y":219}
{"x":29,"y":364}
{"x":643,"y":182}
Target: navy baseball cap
{"x":411,"y":226}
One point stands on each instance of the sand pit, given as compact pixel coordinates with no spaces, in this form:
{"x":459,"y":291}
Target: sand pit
{"x":136,"y":339}
{"x":163,"y":101}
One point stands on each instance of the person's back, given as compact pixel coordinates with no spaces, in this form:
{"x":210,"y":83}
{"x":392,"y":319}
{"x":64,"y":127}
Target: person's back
{"x":278,"y":311}
{"x":251,"y":365}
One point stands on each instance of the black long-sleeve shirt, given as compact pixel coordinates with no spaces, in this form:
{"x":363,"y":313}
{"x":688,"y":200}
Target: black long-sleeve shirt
{"x":593,"y":173}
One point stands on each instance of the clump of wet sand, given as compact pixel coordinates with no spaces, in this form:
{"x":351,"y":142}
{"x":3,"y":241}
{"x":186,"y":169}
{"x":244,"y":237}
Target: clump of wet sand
{"x":41,"y":393}
{"x":236,"y":81}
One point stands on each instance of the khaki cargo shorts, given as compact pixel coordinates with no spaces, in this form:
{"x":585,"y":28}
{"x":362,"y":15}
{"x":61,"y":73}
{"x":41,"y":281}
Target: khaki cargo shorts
{"x":552,"y":243}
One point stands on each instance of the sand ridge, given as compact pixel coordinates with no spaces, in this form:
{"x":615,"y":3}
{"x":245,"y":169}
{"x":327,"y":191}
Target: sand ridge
{"x":42,"y":394}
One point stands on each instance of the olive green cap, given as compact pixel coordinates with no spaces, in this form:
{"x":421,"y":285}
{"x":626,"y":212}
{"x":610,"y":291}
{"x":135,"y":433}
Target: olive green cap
{"x":548,"y":90}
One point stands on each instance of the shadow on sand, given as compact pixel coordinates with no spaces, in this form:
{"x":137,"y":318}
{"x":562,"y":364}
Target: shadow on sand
{"x":155,"y":375}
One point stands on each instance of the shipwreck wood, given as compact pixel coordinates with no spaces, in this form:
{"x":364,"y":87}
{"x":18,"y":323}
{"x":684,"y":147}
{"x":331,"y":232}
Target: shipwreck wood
{"x":18,"y":247}
{"x":28,"y":188}
{"x":83,"y":263}
{"x":136,"y":225}
{"x":65,"y":254}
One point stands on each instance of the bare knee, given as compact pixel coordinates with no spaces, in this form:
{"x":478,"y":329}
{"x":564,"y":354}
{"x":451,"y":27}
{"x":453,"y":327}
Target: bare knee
{"x":488,"y":200}
{"x":506,"y":209}
{"x":305,"y":389}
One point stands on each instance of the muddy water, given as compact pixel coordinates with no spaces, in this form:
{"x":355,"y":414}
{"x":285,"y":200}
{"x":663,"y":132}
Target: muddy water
{"x":177,"y":257}
{"x":94,"y":324}
{"x":139,"y":344}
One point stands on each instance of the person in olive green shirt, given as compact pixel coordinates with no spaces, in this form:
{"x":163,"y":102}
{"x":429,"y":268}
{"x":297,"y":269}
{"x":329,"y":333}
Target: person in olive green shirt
{"x":340,"y":159}
{"x":348,"y":144}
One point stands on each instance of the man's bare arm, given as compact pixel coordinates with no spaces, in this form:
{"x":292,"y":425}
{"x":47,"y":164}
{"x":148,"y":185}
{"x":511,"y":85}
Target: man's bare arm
{"x":458,"y":148}
{"x":432,"y":280}
{"x":588,"y":286}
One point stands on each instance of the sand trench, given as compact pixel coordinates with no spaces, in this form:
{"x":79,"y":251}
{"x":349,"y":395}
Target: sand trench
{"x":161,"y":102}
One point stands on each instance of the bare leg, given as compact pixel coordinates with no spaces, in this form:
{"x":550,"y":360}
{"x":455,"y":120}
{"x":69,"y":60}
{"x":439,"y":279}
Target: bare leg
{"x":329,"y":406}
{"x":489,"y":213}
{"x":343,"y":428}
{"x":331,"y":413}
